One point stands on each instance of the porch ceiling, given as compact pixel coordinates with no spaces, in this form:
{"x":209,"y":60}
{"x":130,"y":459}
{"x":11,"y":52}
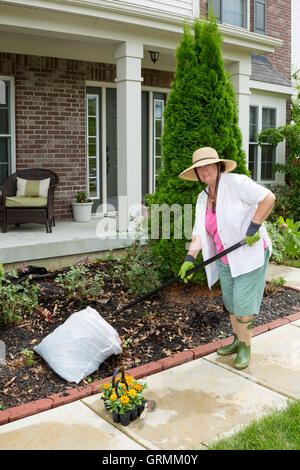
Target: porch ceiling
{"x":91,"y":30}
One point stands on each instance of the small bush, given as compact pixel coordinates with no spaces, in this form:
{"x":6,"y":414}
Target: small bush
{"x":80,"y":284}
{"x":16,"y":300}
{"x":138,"y":269}
{"x":287,"y":202}
{"x":285,"y":237}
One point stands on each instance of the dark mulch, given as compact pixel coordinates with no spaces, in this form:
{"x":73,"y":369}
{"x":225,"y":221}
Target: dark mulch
{"x":177,"y":318}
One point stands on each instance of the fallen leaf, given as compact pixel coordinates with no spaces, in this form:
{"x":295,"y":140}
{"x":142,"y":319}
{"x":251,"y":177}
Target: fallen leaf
{"x":10,"y":382}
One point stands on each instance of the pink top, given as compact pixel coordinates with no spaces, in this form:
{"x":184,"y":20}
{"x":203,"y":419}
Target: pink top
{"x":211,"y":227}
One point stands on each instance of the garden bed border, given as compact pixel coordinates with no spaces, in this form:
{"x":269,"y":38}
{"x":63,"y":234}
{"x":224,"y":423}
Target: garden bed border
{"x":77,"y":393}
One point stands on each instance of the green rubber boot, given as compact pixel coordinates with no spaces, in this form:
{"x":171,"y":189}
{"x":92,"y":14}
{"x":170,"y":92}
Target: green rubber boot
{"x":230,"y":349}
{"x":243,"y":356}
{"x":244,"y":348}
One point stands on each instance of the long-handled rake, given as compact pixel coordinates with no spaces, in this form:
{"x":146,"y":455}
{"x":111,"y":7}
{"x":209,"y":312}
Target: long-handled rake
{"x":168,"y":283}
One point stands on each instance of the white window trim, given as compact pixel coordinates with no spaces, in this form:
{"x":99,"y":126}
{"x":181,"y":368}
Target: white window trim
{"x":12,"y":121}
{"x":91,"y":95}
{"x":259,"y":148}
{"x":103,"y":194}
{"x":152,"y":90}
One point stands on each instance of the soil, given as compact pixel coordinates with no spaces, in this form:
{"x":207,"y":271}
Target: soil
{"x":177,"y":318}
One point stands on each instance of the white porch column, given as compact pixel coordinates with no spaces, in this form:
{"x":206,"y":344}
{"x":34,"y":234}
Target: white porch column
{"x":240,"y":75}
{"x":128,"y":57}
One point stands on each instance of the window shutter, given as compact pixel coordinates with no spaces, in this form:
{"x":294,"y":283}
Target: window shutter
{"x":259,"y":16}
{"x":216,"y":5}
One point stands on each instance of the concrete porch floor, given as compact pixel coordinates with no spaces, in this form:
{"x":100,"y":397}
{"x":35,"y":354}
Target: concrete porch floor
{"x":68,"y":242}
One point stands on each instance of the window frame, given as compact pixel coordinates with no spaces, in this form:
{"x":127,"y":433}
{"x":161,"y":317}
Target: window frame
{"x":221,"y":9}
{"x":12,"y":125}
{"x":151,"y":91}
{"x":98,"y":140}
{"x":102,"y":86}
{"x":258,"y":148}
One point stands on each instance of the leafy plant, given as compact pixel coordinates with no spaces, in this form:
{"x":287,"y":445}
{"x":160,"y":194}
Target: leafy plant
{"x":289,"y":237}
{"x":138,"y":269}
{"x":16,"y":300}
{"x":285,"y":236}
{"x":274,"y":285}
{"x":28,"y":354}
{"x":80,"y":284}
{"x":82,"y":197}
{"x":286,"y":203}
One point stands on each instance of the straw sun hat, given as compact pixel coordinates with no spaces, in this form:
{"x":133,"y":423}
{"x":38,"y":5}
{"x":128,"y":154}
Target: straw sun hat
{"x":205,"y":156}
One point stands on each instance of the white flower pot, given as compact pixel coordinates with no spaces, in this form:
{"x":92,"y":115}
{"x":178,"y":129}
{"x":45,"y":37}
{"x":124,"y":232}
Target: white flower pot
{"x":82,"y":211}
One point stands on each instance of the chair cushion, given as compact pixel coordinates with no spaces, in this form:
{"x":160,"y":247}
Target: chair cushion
{"x":32,"y":188}
{"x":15,"y":201}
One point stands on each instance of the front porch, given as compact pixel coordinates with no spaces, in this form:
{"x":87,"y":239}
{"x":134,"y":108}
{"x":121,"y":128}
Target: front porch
{"x":69,"y":242}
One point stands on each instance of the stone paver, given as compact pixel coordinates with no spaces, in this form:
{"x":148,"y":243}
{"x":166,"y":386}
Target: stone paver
{"x":275,"y":360}
{"x":196,"y":402}
{"x":69,"y":427}
{"x":290,"y":274}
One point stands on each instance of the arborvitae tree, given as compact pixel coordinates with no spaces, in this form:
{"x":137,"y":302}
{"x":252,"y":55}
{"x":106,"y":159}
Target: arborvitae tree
{"x":201,"y":111}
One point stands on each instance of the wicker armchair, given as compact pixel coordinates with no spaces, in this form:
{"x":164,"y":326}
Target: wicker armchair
{"x":22,"y":214}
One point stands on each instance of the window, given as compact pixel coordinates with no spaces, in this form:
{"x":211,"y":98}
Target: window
{"x":101,"y":135}
{"x":253,"y":131}
{"x":233,"y":12}
{"x":6,"y":129}
{"x":93,"y":145}
{"x":259,"y":16}
{"x":153,"y":105}
{"x":261,"y":159}
{"x":158,"y":124}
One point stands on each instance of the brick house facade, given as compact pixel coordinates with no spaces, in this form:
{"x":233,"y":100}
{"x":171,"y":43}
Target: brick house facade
{"x":50,"y":100}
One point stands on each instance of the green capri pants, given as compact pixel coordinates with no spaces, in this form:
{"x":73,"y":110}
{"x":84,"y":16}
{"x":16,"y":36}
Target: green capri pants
{"x":242,"y":295}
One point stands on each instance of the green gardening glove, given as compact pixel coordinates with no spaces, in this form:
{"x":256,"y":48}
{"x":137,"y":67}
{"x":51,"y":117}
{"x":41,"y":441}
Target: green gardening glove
{"x":183,"y":270}
{"x":252,"y":235}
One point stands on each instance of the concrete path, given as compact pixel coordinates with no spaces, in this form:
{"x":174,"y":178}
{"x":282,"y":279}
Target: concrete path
{"x":197,"y":402}
{"x":290,"y":274}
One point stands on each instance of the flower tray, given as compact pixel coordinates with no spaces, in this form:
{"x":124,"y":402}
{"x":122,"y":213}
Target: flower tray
{"x":124,"y":416}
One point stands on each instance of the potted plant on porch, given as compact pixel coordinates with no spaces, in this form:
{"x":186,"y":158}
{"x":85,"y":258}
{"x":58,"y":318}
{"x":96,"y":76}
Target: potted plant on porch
{"x":82,"y":207}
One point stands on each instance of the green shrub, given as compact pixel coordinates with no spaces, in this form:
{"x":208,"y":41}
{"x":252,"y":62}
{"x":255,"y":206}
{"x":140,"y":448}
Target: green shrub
{"x":201,"y":111}
{"x":138,"y":269}
{"x":287,"y":202}
{"x":80,"y":284}
{"x":16,"y":300}
{"x":285,"y":237}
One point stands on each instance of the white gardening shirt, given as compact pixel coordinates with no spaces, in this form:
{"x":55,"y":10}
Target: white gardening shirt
{"x":238,"y":197}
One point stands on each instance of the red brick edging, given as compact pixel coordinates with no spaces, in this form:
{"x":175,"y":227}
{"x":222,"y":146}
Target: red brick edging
{"x":77,"y":393}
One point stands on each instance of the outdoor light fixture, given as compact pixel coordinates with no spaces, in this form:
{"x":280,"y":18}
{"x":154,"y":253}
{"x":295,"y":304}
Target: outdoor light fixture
{"x":154,"y":56}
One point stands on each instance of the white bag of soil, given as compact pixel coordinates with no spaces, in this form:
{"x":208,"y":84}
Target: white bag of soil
{"x":76,"y":348}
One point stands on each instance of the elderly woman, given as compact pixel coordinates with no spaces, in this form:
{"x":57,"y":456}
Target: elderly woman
{"x":231,"y":208}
